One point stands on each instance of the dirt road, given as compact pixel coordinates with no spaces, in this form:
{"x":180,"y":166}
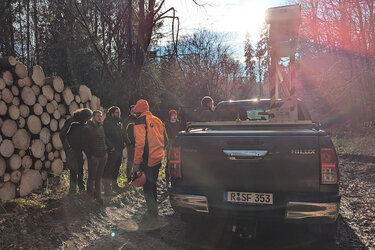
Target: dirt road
{"x":73,"y":222}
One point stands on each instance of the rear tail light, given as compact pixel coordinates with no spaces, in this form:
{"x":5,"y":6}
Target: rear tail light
{"x":329,"y":168}
{"x":174,"y":162}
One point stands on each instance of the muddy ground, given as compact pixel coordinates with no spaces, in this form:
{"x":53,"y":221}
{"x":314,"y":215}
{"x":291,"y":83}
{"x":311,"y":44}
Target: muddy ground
{"x":51,"y":219}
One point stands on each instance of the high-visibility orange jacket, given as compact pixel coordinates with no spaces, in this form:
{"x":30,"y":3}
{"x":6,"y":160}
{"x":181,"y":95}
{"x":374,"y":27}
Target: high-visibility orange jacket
{"x":150,"y":139}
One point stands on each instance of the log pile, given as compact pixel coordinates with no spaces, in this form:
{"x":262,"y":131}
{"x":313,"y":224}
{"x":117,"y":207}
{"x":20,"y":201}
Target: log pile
{"x":33,"y":109}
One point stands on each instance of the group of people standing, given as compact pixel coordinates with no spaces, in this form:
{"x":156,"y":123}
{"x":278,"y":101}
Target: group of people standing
{"x":144,"y":135}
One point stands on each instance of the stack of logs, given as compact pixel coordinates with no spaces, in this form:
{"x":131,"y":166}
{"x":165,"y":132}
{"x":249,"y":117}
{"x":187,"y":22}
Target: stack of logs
{"x":33,"y":108}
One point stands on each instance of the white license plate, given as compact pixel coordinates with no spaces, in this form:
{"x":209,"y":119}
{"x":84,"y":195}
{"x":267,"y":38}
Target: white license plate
{"x":247,"y":197}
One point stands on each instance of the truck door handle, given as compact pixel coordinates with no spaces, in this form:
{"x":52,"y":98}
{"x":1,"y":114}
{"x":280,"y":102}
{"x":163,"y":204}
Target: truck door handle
{"x":235,"y":155}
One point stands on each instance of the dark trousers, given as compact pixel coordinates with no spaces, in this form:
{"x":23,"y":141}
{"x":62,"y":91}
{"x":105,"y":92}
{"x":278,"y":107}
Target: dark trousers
{"x":112,"y":168}
{"x":96,"y":169}
{"x":74,"y":160}
{"x":149,"y":188}
{"x":130,"y":161}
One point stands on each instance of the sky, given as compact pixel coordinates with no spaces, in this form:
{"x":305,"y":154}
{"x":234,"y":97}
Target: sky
{"x":236,"y":17}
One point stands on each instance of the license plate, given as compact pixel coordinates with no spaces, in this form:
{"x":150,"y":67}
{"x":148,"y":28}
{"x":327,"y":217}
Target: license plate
{"x":247,"y":197}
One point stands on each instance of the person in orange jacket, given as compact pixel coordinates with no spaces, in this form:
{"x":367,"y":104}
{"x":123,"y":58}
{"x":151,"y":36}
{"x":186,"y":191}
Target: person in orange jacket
{"x":150,"y":142}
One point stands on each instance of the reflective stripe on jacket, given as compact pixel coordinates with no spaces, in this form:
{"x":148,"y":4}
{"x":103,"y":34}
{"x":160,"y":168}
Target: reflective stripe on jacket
{"x":150,"y":139}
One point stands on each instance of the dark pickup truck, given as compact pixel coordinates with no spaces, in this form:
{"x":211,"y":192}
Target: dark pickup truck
{"x":246,"y":167}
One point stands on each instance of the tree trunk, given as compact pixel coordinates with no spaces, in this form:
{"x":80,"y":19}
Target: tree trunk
{"x":28,"y":96}
{"x":48,"y":92}
{"x":15,"y":162}
{"x":38,"y":75}
{"x":45,"y":135}
{"x":21,"y":139}
{"x":6,"y":148}
{"x":56,"y":82}
{"x":9,"y":127}
{"x":31,"y":181}
{"x":37,"y":148}
{"x":34,"y":124}
{"x":68,"y":96}
{"x":24,"y":110}
{"x":7,"y":95}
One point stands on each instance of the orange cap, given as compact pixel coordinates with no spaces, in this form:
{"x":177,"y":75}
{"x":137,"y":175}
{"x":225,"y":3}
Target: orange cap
{"x":141,"y":106}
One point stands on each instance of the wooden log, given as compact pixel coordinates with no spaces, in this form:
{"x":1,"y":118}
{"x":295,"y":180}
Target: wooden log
{"x":68,"y":96}
{"x":56,"y":154}
{"x":48,"y":147}
{"x":9,"y":127}
{"x":44,"y":175}
{"x":24,"y":82}
{"x":38,"y":165}
{"x":55,"y":104}
{"x":16,"y":101}
{"x":56,"y":114}
{"x":42,"y":100}
{"x":81,"y":105}
{"x":63,"y":155}
{"x":7,"y":191}
{"x":15,"y":176}
{"x":36,"y":89}
{"x":45,"y":135}
{"x":94,"y":103}
{"x":27,"y":162}
{"x":57,"y":97}
{"x":14,"y":112}
{"x":38,"y":109}
{"x":15,"y":162}
{"x":57,"y":166}
{"x":7,"y":95}
{"x":6,"y":148}
{"x":28,"y":96}
{"x":21,"y":139}
{"x":77,"y":99}
{"x":3,"y":108}
{"x":84,"y":93}
{"x":47,"y":164}
{"x":50,"y":108}
{"x":53,"y":125}
{"x":34,"y":124}
{"x":37,"y":148}
{"x":21,"y":122}
{"x":50,"y":156}
{"x":6,"y":177}
{"x":56,"y":82}
{"x":20,"y":70}
{"x":45,"y":118}
{"x":31,"y":181}
{"x":22,"y":153}
{"x":7,"y":62}
{"x":24,"y":110}
{"x":56,"y":142}
{"x":62,"y":109}
{"x":61,"y":123}
{"x":73,"y":107}
{"x":38,"y":75}
{"x":87,"y":105}
{"x":3,"y":166}
{"x":15,"y":90}
{"x":2,"y":83}
{"x":8,"y":77}
{"x":1,"y":138}
{"x":48,"y":92}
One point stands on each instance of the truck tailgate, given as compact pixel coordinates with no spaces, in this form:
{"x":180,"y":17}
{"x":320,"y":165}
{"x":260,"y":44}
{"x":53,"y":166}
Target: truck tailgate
{"x":257,"y":161}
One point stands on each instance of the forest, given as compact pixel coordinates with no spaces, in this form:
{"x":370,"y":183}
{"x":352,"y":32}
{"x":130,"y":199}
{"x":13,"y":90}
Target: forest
{"x":127,"y":49}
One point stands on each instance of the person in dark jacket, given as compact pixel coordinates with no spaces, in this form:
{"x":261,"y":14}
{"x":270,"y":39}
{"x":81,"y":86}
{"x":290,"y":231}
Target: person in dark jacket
{"x":130,"y":140}
{"x":73,"y":135}
{"x":205,"y":113}
{"x":97,"y":157}
{"x":115,"y":143}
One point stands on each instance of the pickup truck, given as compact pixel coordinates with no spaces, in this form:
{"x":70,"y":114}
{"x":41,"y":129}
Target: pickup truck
{"x":246,"y":167}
